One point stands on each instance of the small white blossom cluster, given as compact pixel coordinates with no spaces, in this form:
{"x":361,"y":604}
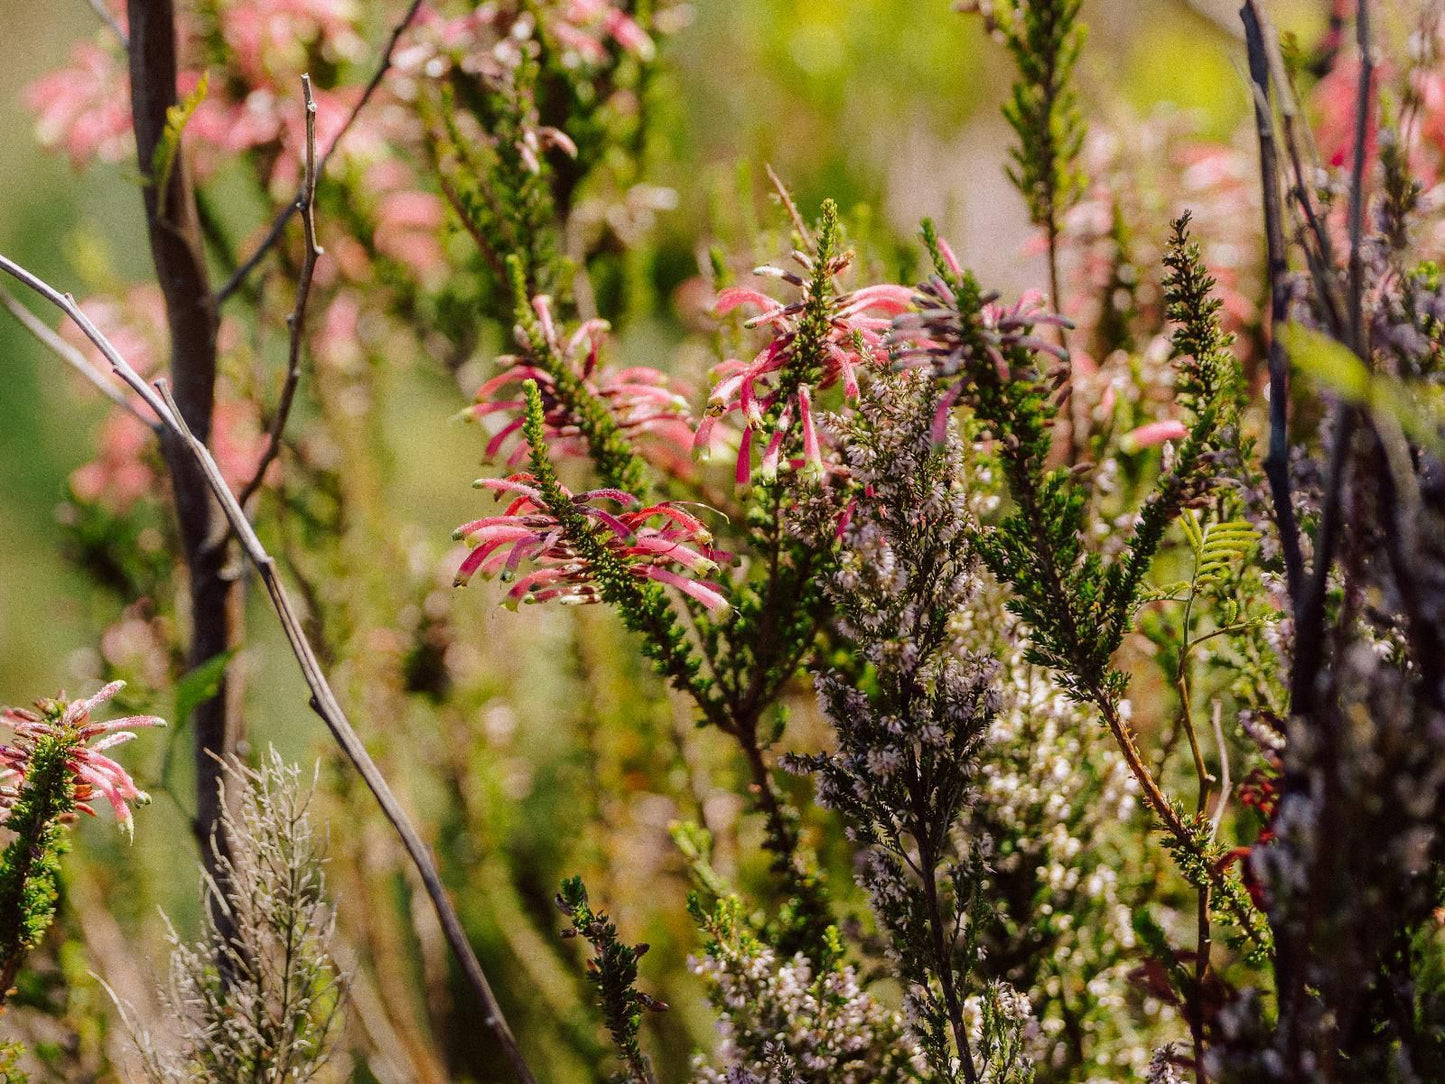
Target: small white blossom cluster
{"x":785,"y":1019}
{"x":1162,"y":1067}
{"x":1059,"y":810}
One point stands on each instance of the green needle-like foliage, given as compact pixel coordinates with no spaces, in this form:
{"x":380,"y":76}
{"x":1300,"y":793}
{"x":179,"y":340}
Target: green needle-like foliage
{"x":30,"y":867}
{"x":643,"y":606}
{"x":612,"y":970}
{"x":1044,"y":38}
{"x":1076,"y":608}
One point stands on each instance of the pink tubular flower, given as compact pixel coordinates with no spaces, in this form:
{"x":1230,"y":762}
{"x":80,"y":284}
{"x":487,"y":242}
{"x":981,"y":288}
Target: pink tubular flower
{"x":582,"y":27}
{"x":948,"y":343}
{"x":645,"y":403}
{"x":1153,"y":434}
{"x":770,"y":392}
{"x":71,"y":724}
{"x":651,"y":542}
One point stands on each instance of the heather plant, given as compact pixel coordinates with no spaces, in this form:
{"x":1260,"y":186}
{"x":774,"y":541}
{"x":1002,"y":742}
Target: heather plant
{"x":53,"y":769}
{"x":946,"y":682}
{"x":256,"y":998}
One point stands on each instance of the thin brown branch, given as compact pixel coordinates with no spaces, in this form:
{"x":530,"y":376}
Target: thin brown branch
{"x":296,"y":322}
{"x":788,"y":204}
{"x":70,"y":355}
{"x":323,"y":699}
{"x":278,"y":225}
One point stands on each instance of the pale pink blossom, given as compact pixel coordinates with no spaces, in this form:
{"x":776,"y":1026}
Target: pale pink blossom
{"x":583,"y":27}
{"x":71,"y":724}
{"x":1153,"y":434}
{"x":121,"y":473}
{"x":270,"y":38}
{"x":84,"y":109}
{"x":408,"y":231}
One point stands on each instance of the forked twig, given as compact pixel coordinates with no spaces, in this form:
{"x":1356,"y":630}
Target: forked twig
{"x":323,"y":700}
{"x":296,"y":321}
{"x":278,"y":225}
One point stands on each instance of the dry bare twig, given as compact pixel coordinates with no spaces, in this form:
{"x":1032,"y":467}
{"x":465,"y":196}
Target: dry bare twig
{"x":296,"y":321}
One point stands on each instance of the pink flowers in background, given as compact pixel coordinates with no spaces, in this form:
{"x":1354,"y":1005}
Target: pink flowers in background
{"x":269,"y":38}
{"x":84,"y":109}
{"x":652,"y":542}
{"x":71,"y":724}
{"x":1336,"y":96}
{"x":124,"y":469}
{"x":585,"y":26}
{"x":776,"y":387}
{"x":1152,"y":434}
{"x":121,"y":473}
{"x":645,"y":403}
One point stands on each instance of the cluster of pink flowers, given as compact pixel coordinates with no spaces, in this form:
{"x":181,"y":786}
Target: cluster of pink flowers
{"x":71,"y":723}
{"x":646,"y":404}
{"x":252,"y":108}
{"x":85,"y":108}
{"x":649,"y":541}
{"x":768,"y":392}
{"x":585,"y":26}
{"x":929,"y":338}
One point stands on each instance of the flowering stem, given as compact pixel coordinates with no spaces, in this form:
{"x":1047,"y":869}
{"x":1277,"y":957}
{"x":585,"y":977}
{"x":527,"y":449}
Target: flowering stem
{"x":618,"y":465}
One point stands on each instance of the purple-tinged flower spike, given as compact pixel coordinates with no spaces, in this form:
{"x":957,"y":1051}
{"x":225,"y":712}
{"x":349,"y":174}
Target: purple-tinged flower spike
{"x":822,"y":338}
{"x":934,"y":337}
{"x":654,"y":542}
{"x":71,"y":725}
{"x":646,"y":406}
